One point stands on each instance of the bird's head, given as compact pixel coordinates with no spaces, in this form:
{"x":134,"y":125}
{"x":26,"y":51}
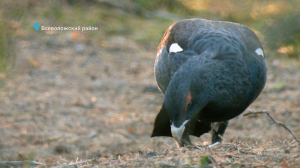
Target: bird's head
{"x":182,"y":104}
{"x":179,"y":117}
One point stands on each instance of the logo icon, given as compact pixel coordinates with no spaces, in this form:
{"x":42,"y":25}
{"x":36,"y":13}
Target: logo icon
{"x":36,"y":26}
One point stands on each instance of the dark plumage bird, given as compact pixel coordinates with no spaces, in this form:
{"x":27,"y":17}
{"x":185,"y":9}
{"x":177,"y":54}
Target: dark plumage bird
{"x":209,"y":73}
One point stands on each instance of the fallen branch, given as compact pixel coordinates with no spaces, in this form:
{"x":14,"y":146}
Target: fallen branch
{"x":19,"y":163}
{"x":252,"y":112}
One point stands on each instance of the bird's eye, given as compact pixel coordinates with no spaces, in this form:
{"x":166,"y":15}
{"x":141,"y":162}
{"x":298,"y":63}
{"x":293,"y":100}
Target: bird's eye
{"x":188,"y":105}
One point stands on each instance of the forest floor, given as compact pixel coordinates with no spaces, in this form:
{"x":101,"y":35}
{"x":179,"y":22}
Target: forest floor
{"x":67,"y":101}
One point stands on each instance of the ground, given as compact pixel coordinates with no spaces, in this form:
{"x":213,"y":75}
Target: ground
{"x":70,"y":98}
{"x":68,"y":101}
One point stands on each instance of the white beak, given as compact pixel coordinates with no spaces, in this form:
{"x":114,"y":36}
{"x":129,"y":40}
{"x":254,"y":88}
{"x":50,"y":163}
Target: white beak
{"x":177,"y":132}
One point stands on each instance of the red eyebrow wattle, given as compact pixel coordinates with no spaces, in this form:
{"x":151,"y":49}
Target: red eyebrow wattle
{"x":188,"y":98}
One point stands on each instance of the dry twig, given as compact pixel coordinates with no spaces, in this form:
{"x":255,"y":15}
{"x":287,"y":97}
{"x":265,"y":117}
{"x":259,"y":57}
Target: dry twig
{"x":73,"y":165}
{"x":198,"y":147}
{"x":214,"y":145}
{"x":77,"y":163}
{"x":211,"y":146}
{"x":251,"y":112}
{"x":19,"y":163}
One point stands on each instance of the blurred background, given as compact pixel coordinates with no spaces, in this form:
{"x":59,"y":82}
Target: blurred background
{"x":74,"y":94}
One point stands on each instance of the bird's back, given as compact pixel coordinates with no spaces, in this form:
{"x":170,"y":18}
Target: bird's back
{"x":228,"y":43}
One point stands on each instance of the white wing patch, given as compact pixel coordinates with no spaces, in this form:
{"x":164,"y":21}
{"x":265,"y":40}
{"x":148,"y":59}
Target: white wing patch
{"x":175,"y":48}
{"x":260,"y":52}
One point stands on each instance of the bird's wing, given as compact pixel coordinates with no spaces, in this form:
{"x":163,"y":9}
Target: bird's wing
{"x":172,"y":51}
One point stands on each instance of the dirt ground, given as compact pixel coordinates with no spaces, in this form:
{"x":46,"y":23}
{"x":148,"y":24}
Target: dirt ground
{"x":68,"y":100}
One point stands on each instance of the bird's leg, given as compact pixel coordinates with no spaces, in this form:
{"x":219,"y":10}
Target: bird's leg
{"x":218,"y":129}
